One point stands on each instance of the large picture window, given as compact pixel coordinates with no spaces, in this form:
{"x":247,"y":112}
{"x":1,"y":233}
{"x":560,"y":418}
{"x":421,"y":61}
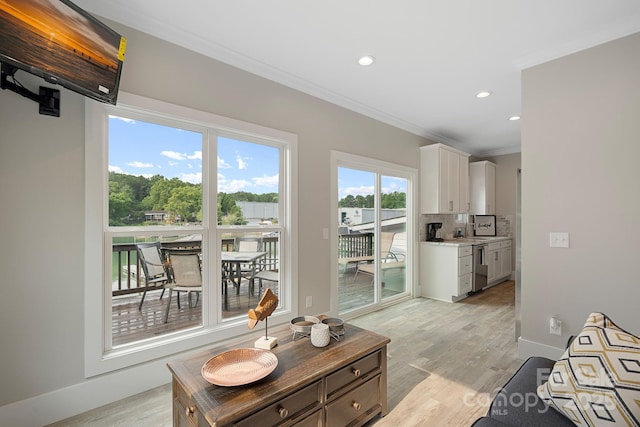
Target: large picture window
{"x":193,"y":210}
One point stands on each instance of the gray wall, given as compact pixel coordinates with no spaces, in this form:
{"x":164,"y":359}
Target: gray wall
{"x":506,"y":172}
{"x":42,"y":173}
{"x":580,"y":151}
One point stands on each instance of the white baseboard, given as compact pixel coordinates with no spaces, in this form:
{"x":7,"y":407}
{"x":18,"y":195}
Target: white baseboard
{"x":528,"y":348}
{"x":78,"y":398}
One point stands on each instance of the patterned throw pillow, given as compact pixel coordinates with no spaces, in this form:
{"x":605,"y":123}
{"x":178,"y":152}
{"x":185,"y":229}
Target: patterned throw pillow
{"x":596,"y":382}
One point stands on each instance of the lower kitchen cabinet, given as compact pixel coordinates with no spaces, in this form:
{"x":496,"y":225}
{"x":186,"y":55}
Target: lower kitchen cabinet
{"x":498,"y":261}
{"x":445,"y":271}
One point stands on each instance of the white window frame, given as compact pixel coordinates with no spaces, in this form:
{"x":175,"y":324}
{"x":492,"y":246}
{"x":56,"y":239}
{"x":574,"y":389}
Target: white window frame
{"x":379,"y":167}
{"x":99,"y":357}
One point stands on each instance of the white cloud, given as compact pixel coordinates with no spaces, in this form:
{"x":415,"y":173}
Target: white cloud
{"x":267,"y":181}
{"x":193,"y":178}
{"x":140,"y":165}
{"x":197,"y":155}
{"x":173,"y":155}
{"x":363,"y":190}
{"x":222,"y":164}
{"x":115,"y":169}
{"x":232,"y":186}
{"x":241,"y":163}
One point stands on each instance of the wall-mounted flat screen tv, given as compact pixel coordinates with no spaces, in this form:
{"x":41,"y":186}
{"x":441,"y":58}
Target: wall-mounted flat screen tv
{"x":62,"y":43}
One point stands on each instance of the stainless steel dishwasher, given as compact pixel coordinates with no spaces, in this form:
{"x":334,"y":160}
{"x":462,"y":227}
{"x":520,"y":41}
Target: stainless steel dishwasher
{"x":480,"y":267}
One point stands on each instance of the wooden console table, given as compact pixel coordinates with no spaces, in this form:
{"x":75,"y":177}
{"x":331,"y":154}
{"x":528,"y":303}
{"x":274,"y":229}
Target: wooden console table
{"x":343,"y":384}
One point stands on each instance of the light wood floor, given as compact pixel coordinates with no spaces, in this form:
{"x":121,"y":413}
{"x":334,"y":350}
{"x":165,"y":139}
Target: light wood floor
{"x":445,"y":362}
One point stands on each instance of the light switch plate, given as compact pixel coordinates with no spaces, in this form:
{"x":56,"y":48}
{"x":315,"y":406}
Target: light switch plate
{"x":558,"y":239}
{"x":555,"y":326}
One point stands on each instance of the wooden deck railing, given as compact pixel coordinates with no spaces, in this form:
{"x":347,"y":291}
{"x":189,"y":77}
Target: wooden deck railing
{"x":355,"y":245}
{"x":125,"y":254}
{"x":349,"y":245}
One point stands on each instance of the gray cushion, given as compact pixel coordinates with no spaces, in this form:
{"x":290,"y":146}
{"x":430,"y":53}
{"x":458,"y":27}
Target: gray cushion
{"x":517,"y":403}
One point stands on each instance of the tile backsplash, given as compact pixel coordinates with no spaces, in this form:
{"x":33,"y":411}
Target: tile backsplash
{"x":452,"y":222}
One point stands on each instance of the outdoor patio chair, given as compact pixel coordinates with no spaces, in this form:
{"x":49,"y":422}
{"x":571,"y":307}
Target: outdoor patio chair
{"x":268,"y":275}
{"x":186,"y":273}
{"x":154,"y":268}
{"x":247,"y":244}
{"x":388,"y":259}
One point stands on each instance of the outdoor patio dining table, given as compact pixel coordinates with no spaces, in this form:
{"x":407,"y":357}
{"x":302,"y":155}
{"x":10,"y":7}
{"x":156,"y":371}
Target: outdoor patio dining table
{"x":232,"y":268}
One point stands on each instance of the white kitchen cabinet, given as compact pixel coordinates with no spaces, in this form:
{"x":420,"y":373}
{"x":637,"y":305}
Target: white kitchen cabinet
{"x":444,"y":180}
{"x":482,"y":183}
{"x":445,"y":271}
{"x":498,"y":261}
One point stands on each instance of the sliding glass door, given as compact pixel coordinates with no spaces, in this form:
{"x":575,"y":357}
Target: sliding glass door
{"x":356,"y":236}
{"x":393,"y":227}
{"x":374,"y":221}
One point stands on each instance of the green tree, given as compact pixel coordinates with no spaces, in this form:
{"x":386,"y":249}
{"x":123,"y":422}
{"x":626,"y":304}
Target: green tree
{"x":185,"y":202}
{"x":160,"y":192}
{"x":394,"y":200}
{"x":347,"y":201}
{"x":120,"y":203}
{"x":228,"y":212}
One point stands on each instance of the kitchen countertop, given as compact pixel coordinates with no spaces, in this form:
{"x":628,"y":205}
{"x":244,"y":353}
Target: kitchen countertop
{"x":467,"y":241}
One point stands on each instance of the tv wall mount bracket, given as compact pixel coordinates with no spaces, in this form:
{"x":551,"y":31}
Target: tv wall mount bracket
{"x":48,"y":99}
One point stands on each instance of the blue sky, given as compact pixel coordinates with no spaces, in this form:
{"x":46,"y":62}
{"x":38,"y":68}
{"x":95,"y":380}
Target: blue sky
{"x":361,"y":183}
{"x":140,"y":148}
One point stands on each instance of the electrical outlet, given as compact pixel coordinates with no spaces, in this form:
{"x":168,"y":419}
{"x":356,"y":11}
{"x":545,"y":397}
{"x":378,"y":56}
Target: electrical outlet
{"x":309,"y":301}
{"x":558,"y":240}
{"x":555,"y":326}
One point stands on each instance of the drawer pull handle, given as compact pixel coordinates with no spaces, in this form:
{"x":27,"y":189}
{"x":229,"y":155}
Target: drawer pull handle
{"x":284,"y":413}
{"x":356,"y":372}
{"x":189,"y":411}
{"x":355,"y":405}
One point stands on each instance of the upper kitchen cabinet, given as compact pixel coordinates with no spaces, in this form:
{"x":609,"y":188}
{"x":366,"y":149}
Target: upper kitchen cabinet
{"x":482,"y":179}
{"x":444,"y":180}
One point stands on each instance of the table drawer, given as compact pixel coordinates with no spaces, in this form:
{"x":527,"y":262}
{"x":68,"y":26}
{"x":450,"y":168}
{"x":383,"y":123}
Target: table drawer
{"x":313,"y":420}
{"x":356,"y":406}
{"x":286,"y":409}
{"x":184,"y":406}
{"x":356,"y":371}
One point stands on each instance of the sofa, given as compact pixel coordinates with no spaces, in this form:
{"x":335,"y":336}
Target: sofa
{"x":517,"y":403}
{"x":596,"y":382}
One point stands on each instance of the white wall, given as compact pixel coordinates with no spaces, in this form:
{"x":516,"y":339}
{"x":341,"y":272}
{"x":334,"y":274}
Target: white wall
{"x":41,"y":188}
{"x":580,"y":152}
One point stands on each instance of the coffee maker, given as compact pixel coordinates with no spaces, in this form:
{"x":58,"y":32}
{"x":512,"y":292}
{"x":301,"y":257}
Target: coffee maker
{"x":432,"y":231}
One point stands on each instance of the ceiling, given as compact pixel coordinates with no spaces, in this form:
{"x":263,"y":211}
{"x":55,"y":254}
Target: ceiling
{"x":432,"y":56}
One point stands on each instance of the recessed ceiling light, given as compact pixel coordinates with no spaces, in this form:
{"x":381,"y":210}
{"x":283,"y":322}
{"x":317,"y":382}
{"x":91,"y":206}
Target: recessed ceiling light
{"x":483,"y":94}
{"x":514,"y":118}
{"x":366,"y":60}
